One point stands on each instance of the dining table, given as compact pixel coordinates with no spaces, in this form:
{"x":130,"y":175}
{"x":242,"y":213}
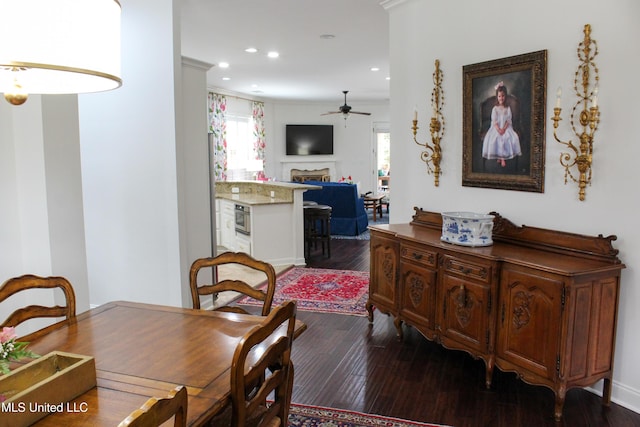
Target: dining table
{"x":146,"y":350}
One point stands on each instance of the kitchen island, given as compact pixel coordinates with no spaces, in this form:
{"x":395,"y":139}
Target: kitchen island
{"x":263,"y":219}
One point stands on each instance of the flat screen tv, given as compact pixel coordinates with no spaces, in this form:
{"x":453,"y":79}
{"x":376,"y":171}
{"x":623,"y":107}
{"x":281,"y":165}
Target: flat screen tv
{"x":308,"y":140}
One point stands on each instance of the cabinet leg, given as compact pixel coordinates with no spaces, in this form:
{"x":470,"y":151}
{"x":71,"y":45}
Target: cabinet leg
{"x":560,"y":395}
{"x":489,"y":373}
{"x":606,"y":392}
{"x":369,"y":308}
{"x":398,"y":324}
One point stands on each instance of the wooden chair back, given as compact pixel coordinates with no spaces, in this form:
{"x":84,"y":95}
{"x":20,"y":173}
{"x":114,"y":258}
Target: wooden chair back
{"x":256,"y":374}
{"x":240,"y":258}
{"x":156,"y":411}
{"x":26,"y":282}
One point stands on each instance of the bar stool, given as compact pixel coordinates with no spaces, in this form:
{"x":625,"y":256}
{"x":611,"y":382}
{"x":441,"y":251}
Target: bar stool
{"x":317,"y":228}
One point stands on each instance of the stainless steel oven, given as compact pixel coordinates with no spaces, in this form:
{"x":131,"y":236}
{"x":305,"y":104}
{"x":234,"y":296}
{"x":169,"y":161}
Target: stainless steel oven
{"x":243,"y":219}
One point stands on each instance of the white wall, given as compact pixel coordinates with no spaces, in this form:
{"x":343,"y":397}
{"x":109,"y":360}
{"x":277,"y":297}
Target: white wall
{"x":41,"y":223}
{"x":195,"y":192}
{"x":128,"y":140}
{"x":352,"y":143}
{"x":422,"y":31}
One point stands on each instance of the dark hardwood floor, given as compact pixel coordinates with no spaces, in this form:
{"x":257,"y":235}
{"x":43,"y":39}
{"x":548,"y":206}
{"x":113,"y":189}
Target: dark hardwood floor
{"x":344,"y":362}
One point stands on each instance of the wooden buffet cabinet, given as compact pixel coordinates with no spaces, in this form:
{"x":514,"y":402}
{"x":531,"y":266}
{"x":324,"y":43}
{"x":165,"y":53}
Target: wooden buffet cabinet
{"x":540,"y":303}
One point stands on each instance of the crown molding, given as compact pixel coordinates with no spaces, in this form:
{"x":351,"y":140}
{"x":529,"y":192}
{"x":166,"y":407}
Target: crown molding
{"x":195,"y":63}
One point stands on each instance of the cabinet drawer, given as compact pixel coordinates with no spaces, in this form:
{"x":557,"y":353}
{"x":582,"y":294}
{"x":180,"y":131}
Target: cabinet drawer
{"x":466,"y":268}
{"x":243,"y":244}
{"x":419,"y":255}
{"x":228,"y":209}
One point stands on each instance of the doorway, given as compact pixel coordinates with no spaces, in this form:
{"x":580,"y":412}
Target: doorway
{"x":382,"y":149}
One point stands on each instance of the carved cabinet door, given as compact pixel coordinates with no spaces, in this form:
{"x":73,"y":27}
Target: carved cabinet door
{"x":418,"y":282}
{"x":529,"y":321}
{"x":418,"y":292}
{"x":464,"y":316}
{"x":384,"y":271}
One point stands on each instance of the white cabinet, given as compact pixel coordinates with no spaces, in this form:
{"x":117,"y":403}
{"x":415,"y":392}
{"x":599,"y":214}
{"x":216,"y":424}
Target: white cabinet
{"x":227,"y":224}
{"x":228,"y":237}
{"x":276,"y":220}
{"x":218,"y":222}
{"x":243,"y":243}
{"x":275,"y":234}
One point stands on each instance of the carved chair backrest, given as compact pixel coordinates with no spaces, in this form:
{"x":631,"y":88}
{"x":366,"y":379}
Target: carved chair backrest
{"x":252,"y":381}
{"x":30,"y":282}
{"x":156,"y":411}
{"x":240,"y":258}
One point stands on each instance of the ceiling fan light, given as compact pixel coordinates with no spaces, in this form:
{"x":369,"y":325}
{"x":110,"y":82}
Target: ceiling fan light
{"x":60,"y":46}
{"x":345,"y":109}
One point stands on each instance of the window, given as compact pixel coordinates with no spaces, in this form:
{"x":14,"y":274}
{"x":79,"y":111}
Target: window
{"x":241,"y":157}
{"x":239,"y":141}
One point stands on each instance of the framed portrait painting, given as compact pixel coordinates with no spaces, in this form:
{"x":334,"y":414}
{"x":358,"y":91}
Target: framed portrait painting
{"x":503,"y":123}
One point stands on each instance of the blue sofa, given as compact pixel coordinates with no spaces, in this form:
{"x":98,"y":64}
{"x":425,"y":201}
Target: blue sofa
{"x":348,"y":216}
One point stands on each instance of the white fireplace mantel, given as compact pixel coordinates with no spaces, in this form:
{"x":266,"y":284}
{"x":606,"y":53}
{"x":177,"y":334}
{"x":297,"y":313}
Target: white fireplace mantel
{"x":307,"y":163}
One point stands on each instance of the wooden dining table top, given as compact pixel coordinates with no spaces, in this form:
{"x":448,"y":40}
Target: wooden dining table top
{"x":143,"y":351}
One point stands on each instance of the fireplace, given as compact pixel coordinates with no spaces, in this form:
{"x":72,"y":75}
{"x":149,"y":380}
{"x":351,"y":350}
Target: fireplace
{"x":302,"y":175}
{"x":308,"y":168}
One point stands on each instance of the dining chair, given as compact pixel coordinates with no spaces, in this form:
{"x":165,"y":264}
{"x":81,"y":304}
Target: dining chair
{"x":30,"y":282}
{"x":157,"y":411}
{"x":239,"y":286}
{"x":261,"y":369}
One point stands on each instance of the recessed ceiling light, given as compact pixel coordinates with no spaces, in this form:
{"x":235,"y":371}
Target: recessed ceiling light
{"x":273,"y":54}
{"x":254,"y":85}
{"x":375,"y":69}
{"x":388,"y":78}
{"x":223,"y":65}
{"x":251,"y":50}
{"x":226,"y":78}
{"x":327,"y":36}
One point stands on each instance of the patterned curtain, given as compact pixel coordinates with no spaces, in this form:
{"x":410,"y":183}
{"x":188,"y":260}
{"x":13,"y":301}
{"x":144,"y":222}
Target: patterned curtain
{"x":218,"y":128}
{"x":259,"y":146}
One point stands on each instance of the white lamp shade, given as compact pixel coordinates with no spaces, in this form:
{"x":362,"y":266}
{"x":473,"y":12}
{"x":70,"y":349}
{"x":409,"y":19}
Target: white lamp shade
{"x":60,"y":46}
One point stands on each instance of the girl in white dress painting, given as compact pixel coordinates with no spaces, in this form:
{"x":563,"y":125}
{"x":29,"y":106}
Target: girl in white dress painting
{"x":501,"y":142}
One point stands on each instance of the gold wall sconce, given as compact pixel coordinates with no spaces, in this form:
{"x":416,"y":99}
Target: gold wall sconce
{"x":59,"y":47}
{"x":586,"y":111}
{"x":433,"y":153}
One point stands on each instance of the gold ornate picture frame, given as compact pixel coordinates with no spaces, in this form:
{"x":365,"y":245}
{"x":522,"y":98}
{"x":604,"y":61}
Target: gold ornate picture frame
{"x":505,"y":148}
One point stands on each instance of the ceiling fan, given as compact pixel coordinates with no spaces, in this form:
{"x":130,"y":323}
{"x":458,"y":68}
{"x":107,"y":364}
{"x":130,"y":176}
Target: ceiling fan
{"x":345,"y":109}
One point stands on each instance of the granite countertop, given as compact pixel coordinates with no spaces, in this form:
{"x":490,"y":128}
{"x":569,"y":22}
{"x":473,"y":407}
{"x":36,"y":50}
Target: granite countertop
{"x":260,"y":192}
{"x":252,"y":199}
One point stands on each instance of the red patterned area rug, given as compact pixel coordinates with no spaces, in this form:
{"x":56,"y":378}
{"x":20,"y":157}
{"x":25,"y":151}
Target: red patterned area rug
{"x":322,"y":290}
{"x":315,"y":416}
